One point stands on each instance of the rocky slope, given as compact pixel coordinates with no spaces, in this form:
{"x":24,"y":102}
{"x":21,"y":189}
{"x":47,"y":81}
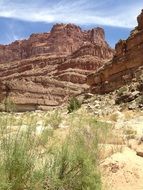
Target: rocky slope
{"x":47,"y":68}
{"x":125,"y":66}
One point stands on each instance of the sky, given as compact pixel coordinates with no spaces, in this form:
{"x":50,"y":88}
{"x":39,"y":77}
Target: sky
{"x":20,"y":18}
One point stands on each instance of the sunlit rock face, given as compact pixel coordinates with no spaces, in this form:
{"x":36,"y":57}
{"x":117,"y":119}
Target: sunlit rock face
{"x":46,"y":69}
{"x":124,"y":67}
{"x":64,"y":39}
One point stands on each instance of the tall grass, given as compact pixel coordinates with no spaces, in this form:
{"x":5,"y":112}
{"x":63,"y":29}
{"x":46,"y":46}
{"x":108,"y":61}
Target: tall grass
{"x":31,"y":161}
{"x":18,"y":157}
{"x":75,"y":163}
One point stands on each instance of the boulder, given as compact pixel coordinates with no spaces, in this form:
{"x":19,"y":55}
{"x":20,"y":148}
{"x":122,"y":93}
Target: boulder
{"x":127,"y":97}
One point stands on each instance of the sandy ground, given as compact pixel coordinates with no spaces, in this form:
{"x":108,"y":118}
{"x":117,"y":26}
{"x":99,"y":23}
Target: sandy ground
{"x":124,"y":170}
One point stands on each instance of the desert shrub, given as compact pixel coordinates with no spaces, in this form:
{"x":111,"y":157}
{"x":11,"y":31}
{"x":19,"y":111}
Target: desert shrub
{"x":18,"y":159}
{"x":53,"y":119}
{"x":37,"y":162}
{"x":9,"y":105}
{"x":75,"y":164}
{"x":19,"y":155}
{"x":73,"y":105}
{"x":122,"y":90}
{"x":46,"y":134}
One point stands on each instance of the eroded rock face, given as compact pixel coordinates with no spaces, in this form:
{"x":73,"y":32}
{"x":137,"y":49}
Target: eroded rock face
{"x":124,"y":67}
{"x":140,"y":21}
{"x":47,"y":68}
{"x":63,"y":39}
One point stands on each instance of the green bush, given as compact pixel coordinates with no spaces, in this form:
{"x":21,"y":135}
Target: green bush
{"x":20,"y":156}
{"x":17,"y":162}
{"x":74,"y":104}
{"x":74,"y":165}
{"x":35,"y":162}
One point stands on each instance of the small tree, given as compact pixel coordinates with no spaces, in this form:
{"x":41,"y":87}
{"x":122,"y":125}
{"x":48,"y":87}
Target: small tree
{"x":74,"y":104}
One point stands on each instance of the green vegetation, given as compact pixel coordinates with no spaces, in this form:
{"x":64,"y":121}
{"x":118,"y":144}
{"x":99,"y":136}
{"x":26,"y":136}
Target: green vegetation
{"x":122,"y":90}
{"x":53,"y":119}
{"x":39,"y":160}
{"x":7,"y":105}
{"x":74,"y":104}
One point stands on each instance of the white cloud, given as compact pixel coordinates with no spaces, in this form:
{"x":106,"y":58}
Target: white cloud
{"x":76,"y":11}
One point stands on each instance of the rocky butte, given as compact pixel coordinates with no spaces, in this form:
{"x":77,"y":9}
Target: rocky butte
{"x":125,"y":65}
{"x":46,"y":69}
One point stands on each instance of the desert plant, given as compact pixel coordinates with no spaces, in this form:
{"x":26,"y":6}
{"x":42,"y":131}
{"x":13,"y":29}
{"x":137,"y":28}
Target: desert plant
{"x":74,"y":165}
{"x":19,"y":155}
{"x":9,"y":105}
{"x":73,"y":105}
{"x":30,"y":161}
{"x":17,"y":161}
{"x":53,"y":119}
{"x":122,"y":90}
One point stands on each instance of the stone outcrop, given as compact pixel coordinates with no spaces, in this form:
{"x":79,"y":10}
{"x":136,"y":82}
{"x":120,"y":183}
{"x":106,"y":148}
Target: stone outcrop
{"x":46,"y":69}
{"x":125,"y":66}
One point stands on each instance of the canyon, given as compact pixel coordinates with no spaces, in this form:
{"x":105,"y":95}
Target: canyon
{"x":71,"y":111}
{"x":47,"y":69}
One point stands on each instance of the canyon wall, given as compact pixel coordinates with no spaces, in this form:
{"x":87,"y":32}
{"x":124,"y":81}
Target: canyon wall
{"x":124,"y":67}
{"x":46,"y":69}
{"x":63,"y":40}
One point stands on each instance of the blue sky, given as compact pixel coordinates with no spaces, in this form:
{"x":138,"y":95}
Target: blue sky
{"x":20,"y":18}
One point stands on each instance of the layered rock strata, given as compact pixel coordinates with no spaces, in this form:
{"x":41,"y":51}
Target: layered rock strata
{"x":46,"y":69}
{"x":125,"y":66}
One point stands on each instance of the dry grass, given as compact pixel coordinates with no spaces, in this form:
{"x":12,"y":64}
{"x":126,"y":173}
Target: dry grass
{"x":101,"y":139}
{"x":30,"y":157}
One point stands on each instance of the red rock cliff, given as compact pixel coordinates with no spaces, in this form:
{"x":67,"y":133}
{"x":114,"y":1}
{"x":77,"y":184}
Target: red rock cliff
{"x":125,"y":64}
{"x":63,"y":39}
{"x":47,"y":68}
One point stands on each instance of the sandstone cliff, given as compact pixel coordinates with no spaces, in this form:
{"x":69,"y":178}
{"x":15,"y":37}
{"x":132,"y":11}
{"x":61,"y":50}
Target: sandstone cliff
{"x":46,"y":69}
{"x":62,"y":40}
{"x":125,"y":66}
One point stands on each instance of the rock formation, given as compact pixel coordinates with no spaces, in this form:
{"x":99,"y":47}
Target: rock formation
{"x":125,"y":64}
{"x":62,"y":40}
{"x":47,"y":68}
